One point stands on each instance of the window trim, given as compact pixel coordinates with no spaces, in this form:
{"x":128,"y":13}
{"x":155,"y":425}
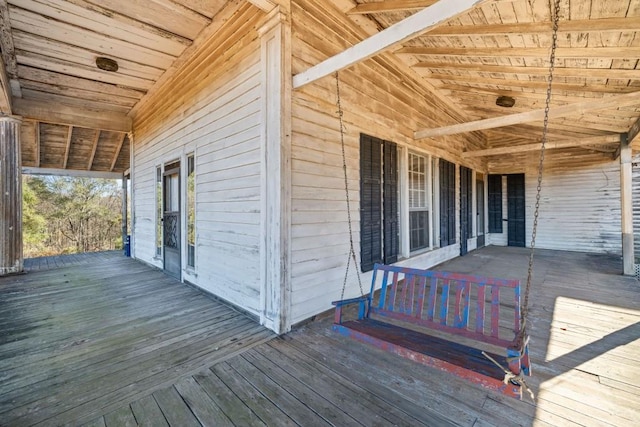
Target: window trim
{"x":428,"y":201}
{"x":159,"y":206}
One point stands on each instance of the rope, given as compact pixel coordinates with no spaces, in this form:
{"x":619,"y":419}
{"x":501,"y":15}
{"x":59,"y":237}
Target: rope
{"x":510,"y":377}
{"x":545,"y":129}
{"x":352,"y":252}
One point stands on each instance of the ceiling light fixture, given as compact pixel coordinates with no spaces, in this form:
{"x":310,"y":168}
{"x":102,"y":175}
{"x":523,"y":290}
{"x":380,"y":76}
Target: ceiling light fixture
{"x":505,"y":101}
{"x":106,"y":64}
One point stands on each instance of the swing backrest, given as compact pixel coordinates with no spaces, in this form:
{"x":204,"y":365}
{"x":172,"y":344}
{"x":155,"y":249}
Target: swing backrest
{"x":456,"y":303}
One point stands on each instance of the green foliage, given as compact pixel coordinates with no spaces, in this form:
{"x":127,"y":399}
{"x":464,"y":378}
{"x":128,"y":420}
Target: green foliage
{"x":69,"y":215}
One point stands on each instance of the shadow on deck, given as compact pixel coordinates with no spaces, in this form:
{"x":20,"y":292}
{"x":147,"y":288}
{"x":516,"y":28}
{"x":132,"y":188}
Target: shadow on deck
{"x":155,"y":364}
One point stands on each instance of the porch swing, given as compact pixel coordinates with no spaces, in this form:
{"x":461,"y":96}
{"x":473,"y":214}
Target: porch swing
{"x":412,"y":300}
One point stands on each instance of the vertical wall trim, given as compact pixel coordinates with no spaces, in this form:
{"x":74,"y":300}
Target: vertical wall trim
{"x":132,"y":246}
{"x":626,"y":206}
{"x":403,"y":171}
{"x":275,"y":169}
{"x":11,"y":251}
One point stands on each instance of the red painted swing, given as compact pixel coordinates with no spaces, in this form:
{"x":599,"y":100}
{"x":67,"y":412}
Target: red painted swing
{"x":445,"y":302}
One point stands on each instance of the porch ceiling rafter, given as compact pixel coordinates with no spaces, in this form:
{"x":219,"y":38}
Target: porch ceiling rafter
{"x":615,"y":101}
{"x":117,"y":153}
{"x":390,"y":6}
{"x":634,"y":131}
{"x":407,"y":29}
{"x":514,"y":149}
{"x":67,"y":147}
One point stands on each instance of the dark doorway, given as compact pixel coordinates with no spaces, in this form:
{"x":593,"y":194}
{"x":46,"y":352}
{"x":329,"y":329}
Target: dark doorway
{"x":516,"y":210}
{"x":466,"y":207}
{"x":171,"y":219}
{"x":480,"y":214}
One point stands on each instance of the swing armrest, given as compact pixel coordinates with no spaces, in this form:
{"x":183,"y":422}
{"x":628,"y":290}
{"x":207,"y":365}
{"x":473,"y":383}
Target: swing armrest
{"x":342,"y":303}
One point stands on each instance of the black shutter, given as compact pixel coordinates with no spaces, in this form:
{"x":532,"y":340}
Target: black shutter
{"x":494,"y":184}
{"x":447,"y":203}
{"x":390,"y":202}
{"x":466,"y":207}
{"x":370,"y":202}
{"x":516,"y":207}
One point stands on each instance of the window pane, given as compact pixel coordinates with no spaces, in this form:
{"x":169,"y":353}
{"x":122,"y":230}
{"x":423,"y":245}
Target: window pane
{"x":417,"y":181}
{"x":191,"y":211}
{"x":418,"y":230}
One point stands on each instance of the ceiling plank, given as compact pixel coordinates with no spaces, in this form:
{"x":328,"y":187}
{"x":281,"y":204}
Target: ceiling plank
{"x":390,"y":6}
{"x":264,"y":5}
{"x":117,"y":154}
{"x":38,"y":148}
{"x":72,"y":116}
{"x":66,"y":81}
{"x":578,"y":142}
{"x":596,"y":73}
{"x":633,"y":132}
{"x":578,"y":25}
{"x":532,"y":116}
{"x":67,"y":147}
{"x":483,"y":81}
{"x":94,"y":149}
{"x":411,"y":27}
{"x":524,"y":52}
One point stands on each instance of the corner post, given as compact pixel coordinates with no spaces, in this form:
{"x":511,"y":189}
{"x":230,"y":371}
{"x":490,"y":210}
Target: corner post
{"x":275,"y":169}
{"x":11,"y":253}
{"x":626,"y":206}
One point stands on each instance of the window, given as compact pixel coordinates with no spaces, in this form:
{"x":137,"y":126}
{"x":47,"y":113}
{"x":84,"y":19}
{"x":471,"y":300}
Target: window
{"x":447,"y":180}
{"x":418,"y":202}
{"x":191,"y":211}
{"x":159,"y":211}
{"x":378,"y":202}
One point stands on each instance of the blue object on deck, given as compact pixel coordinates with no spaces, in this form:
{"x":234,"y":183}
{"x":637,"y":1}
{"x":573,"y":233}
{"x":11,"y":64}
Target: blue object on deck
{"x":127,"y":246}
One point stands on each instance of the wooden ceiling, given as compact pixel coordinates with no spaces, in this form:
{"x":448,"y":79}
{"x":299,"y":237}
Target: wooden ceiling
{"x":503,"y":47}
{"x":78,"y":115}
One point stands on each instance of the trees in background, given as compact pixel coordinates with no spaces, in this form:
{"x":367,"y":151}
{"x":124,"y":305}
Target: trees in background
{"x":69,"y":215}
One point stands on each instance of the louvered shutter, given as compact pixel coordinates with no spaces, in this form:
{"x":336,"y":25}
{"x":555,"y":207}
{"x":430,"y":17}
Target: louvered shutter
{"x":494,"y":184}
{"x":370,"y":201}
{"x":390,"y":202}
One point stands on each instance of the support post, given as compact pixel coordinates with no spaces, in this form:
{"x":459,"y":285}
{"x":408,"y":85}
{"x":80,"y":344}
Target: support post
{"x":11,"y":255}
{"x":626,"y":206}
{"x":127,"y":250}
{"x":275,"y":169}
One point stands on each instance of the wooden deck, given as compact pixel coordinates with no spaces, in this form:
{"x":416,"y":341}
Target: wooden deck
{"x":585,"y":353}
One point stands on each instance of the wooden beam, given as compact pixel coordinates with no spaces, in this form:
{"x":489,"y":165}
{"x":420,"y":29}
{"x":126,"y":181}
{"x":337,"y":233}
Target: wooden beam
{"x":6,"y":41}
{"x":514,"y":149}
{"x":411,"y":27}
{"x":5,"y":91}
{"x":264,"y":5}
{"x":532,"y":116}
{"x":578,"y":25}
{"x":70,"y":172}
{"x":390,"y":6}
{"x":94,"y":149}
{"x":72,"y":116}
{"x":37,"y":135}
{"x":67,"y":147}
{"x":118,"y":150}
{"x":633,"y":132}
{"x":523,"y":52}
{"x":589,"y":73}
{"x":604,"y":88}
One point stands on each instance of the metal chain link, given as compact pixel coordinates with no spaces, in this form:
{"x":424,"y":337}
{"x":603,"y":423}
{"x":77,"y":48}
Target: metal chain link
{"x":352,"y":252}
{"x":545,"y":128}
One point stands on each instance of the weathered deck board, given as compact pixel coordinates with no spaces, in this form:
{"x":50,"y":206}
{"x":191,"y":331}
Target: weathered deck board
{"x":79,"y":341}
{"x":585,"y":348}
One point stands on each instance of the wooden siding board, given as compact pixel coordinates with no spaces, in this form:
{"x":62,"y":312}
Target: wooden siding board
{"x":217,"y":118}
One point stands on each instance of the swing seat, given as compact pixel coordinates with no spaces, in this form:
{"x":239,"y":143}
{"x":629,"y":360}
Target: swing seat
{"x":418,"y":308}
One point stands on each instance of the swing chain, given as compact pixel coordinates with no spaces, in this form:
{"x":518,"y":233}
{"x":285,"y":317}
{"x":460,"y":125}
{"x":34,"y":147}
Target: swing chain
{"x":545,"y":128}
{"x":352,"y":252}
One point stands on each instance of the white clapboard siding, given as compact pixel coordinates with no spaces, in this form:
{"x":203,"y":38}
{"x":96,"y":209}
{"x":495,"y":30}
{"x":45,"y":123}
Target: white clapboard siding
{"x":374,"y":102}
{"x":580,"y":202}
{"x":220,"y":123}
{"x":636,"y":207}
